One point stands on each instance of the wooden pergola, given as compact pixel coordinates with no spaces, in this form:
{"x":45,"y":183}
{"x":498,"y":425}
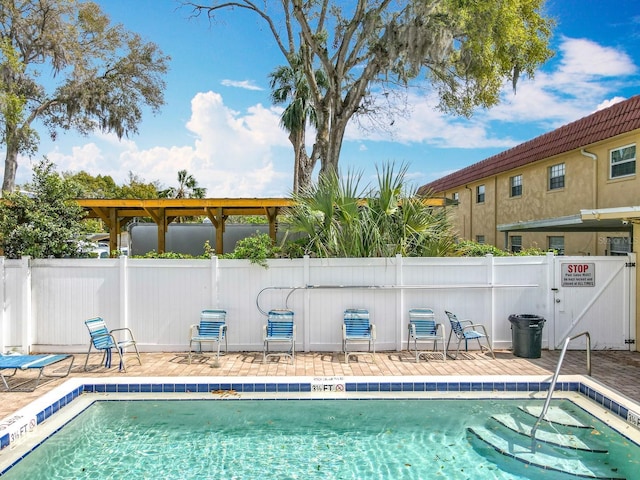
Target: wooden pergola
{"x":116,"y":213}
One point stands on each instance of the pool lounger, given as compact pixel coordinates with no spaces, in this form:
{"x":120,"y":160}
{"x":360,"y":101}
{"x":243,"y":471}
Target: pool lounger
{"x":31,"y":362}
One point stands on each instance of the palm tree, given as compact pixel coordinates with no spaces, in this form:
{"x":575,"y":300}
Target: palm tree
{"x":289,"y":84}
{"x":187,"y":188}
{"x":339,"y":218}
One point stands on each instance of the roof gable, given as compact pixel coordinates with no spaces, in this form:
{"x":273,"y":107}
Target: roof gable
{"x":620,"y":118}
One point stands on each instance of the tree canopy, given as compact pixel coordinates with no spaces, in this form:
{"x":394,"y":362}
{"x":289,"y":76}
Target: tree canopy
{"x":464,"y":49}
{"x":63,"y":63}
{"x":45,"y":220}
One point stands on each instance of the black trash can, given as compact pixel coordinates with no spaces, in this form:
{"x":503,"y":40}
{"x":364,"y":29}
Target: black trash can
{"x":526,"y":335}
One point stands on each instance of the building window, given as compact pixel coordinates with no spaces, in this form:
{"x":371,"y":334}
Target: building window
{"x":455,"y":197}
{"x":480,"y":239}
{"x":480,"y":194}
{"x":618,"y":245}
{"x":556,"y":244}
{"x":623,"y":161}
{"x":516,"y":243}
{"x":556,"y":176}
{"x":516,"y":185}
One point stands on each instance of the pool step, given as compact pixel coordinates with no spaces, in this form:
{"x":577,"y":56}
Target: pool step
{"x":557,"y":438}
{"x":555,"y":415}
{"x":518,"y":448}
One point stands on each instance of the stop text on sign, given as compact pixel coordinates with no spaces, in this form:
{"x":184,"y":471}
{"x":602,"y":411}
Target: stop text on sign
{"x":578,"y":274}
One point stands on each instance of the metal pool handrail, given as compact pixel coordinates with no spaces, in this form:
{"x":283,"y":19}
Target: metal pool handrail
{"x":555,"y":379}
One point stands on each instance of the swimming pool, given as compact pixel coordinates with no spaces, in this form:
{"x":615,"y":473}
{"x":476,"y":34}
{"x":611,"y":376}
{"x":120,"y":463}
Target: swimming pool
{"x":397,"y":429}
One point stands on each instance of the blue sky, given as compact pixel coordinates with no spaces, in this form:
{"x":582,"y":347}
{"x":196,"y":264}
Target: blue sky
{"x":220,"y":126}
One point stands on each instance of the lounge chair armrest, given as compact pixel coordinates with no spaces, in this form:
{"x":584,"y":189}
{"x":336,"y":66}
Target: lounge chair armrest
{"x":264,"y":332}
{"x":473,"y":326}
{"x":373,"y":331}
{"x":194,"y":328}
{"x":124,"y":329}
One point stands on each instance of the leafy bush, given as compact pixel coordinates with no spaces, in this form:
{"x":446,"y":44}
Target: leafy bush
{"x":468,"y":248}
{"x":257,"y":249}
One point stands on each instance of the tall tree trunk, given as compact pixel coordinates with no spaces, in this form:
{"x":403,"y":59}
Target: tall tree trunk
{"x":10,"y":165}
{"x":333,"y":147}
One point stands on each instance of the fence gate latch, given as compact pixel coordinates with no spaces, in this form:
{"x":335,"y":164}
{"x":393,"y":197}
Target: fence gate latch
{"x":629,"y":341}
{"x":630,"y":264}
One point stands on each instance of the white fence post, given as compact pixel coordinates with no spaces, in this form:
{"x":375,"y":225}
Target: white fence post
{"x":124,"y":291}
{"x":25,"y":310}
{"x":3,"y":315}
{"x":399,"y":301}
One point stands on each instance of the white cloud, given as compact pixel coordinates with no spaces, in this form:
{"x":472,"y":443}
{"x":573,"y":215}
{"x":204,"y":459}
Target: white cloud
{"x":246,"y":84}
{"x":585,"y":73}
{"x":233,"y":153}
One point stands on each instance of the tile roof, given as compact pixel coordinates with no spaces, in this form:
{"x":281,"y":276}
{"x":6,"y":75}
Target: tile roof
{"x":607,"y":123}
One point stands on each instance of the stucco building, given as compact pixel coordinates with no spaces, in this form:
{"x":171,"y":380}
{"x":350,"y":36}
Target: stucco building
{"x":575,"y":189}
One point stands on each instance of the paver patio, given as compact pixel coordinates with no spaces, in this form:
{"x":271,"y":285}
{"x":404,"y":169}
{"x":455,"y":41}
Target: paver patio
{"x":617,"y":369}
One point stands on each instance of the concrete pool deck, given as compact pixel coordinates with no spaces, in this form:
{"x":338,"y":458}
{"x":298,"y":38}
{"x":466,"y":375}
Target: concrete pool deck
{"x":616,"y":369}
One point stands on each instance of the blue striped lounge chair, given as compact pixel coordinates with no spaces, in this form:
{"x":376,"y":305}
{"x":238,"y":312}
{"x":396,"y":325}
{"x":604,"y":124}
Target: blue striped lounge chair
{"x":211,"y":329}
{"x":105,"y":340}
{"x":465,"y":330}
{"x":280,"y":330}
{"x":357,"y":329}
{"x":423,"y":328}
{"x":36,"y":363}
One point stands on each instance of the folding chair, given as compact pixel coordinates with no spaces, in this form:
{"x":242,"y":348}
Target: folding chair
{"x":424,"y":328}
{"x":281,"y":330}
{"x":211,"y":329}
{"x":466,"y":330}
{"x":106,"y":340}
{"x":357,"y":329}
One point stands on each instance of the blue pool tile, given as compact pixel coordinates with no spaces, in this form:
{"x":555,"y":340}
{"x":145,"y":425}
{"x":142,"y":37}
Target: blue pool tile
{"x":248,"y":388}
{"x":500,"y":386}
{"x":294,"y":387}
{"x":522,"y":387}
{"x":373,"y":387}
{"x":4,"y":441}
{"x":203,"y":388}
{"x":476,"y":387}
{"x":385,"y":387}
{"x":511,"y":386}
{"x":122,"y":388}
{"x":623,"y":412}
{"x":271,"y":387}
{"x":464,"y":387}
{"x":191,"y":387}
{"x":488,"y":386}
{"x":260,"y":387}
{"x":169,"y":387}
{"x":305,"y":387}
{"x":442,"y":387}
{"x":180,"y":388}
{"x":352,"y":387}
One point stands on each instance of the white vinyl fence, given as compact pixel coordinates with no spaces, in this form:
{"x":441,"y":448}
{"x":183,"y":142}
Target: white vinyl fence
{"x":45,"y":302}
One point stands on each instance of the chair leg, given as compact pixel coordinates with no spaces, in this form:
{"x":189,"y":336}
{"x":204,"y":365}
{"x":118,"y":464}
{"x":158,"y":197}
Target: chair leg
{"x":86,"y":361}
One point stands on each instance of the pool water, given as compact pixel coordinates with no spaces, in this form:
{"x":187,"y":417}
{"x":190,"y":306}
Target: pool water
{"x":298,"y":439}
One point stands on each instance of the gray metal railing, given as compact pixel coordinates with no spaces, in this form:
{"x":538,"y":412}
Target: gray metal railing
{"x":555,"y":379}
